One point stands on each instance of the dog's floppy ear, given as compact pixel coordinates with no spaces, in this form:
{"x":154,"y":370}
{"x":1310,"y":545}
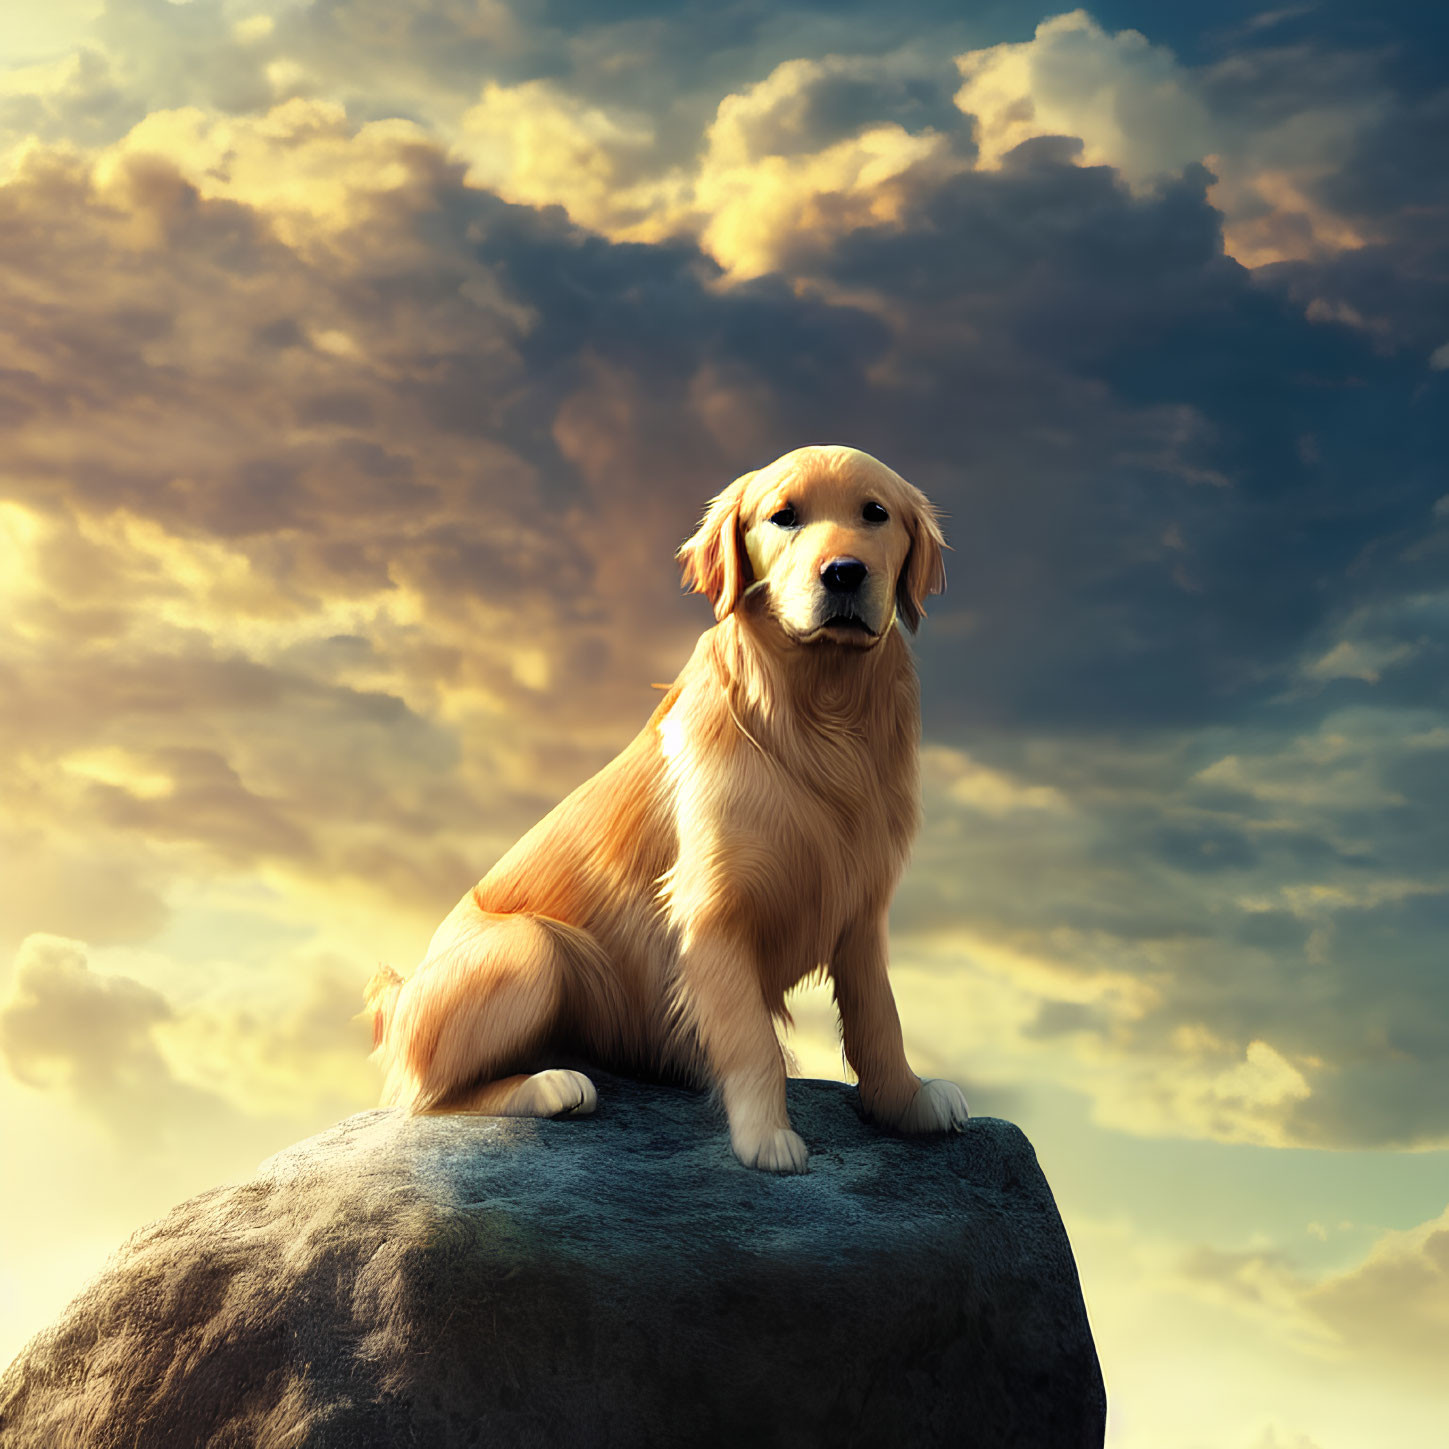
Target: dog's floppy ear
{"x":714,"y":561}
{"x":924,"y":571}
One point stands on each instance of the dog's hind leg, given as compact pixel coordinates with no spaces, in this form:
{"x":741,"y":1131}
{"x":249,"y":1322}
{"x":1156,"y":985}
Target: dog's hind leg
{"x":556,"y":1092}
{"x":486,"y":1002}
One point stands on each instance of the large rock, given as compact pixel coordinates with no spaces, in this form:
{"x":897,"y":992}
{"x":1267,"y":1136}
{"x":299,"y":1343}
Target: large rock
{"x":614,"y":1280}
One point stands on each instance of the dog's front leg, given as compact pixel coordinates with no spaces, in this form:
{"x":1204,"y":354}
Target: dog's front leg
{"x":890,"y":1091}
{"x":721,"y":993}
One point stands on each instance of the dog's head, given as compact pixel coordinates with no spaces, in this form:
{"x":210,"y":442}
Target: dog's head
{"x":841,"y":546}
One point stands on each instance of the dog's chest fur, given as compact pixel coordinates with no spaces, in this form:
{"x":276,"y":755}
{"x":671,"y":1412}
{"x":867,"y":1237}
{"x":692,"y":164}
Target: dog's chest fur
{"x":808,"y":827}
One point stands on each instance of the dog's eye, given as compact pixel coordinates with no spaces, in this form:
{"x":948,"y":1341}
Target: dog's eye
{"x":784,"y":517}
{"x":874,"y":513}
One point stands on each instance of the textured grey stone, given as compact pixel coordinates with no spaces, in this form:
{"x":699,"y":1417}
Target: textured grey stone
{"x":616,"y":1280}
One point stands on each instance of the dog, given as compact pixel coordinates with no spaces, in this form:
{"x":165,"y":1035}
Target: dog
{"x":751,"y":836}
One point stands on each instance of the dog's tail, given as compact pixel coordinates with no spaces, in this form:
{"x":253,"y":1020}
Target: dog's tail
{"x":380,"y":995}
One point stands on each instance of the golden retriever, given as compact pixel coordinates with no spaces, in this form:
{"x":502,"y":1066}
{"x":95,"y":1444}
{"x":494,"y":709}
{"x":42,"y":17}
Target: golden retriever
{"x":750,"y":836}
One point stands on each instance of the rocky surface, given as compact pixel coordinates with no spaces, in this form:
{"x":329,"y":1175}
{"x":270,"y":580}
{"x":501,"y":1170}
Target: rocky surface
{"x":615,"y":1280}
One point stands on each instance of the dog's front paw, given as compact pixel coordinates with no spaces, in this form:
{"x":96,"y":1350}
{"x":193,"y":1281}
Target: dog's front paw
{"x":939,"y":1106}
{"x":773,"y":1151}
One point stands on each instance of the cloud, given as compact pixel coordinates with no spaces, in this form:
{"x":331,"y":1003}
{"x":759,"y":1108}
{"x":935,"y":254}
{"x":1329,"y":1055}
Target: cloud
{"x":311,"y":510}
{"x":92,"y":1038}
{"x":1394,"y":1306}
{"x":276,"y":1052}
{"x":992,"y":792}
{"x":57,"y":881}
{"x":342,"y":494}
{"x":1389,"y":1310}
{"x":1134,"y":107}
{"x":75,"y":98}
{"x":647,"y":127}
{"x":1186,"y":937}
{"x":817,"y":147}
{"x":302,"y":163}
{"x":807,"y":154}
{"x":1324,"y":772}
{"x":1350,"y":659}
{"x":289,"y":1046}
{"x":536,"y":144}
{"x":1129,"y":102}
{"x":823,"y":147}
{"x":361,"y":370}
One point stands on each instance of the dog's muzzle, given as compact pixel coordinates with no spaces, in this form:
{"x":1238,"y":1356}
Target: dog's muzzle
{"x":843,"y":580}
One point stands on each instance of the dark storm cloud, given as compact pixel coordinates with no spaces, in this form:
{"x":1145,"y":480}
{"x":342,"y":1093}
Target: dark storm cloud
{"x":1411,"y":33}
{"x":1118,"y":413}
{"x":652,"y":311}
{"x":1398,"y":168}
{"x":1391,"y":178}
{"x":1394,"y":294}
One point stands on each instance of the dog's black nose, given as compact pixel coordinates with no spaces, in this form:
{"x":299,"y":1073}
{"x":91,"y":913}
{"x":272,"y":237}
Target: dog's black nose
{"x":843,"y":575}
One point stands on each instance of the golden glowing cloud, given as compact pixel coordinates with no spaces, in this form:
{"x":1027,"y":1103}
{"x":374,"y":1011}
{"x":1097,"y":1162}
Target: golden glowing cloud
{"x":302,"y":163}
{"x":762,"y":186}
{"x":762,"y":194}
{"x":980,"y":788}
{"x":1134,"y":107}
{"x":1390,"y":1310}
{"x":536,"y":144}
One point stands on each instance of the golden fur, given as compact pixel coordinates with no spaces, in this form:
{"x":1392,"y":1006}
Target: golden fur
{"x":751,"y":835}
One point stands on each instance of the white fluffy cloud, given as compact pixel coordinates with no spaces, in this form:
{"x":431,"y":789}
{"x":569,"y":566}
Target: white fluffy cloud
{"x":1128,"y":101}
{"x":1135,"y":107}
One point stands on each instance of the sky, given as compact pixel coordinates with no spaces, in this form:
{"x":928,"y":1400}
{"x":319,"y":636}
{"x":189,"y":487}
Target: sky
{"x":362,"y":365}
